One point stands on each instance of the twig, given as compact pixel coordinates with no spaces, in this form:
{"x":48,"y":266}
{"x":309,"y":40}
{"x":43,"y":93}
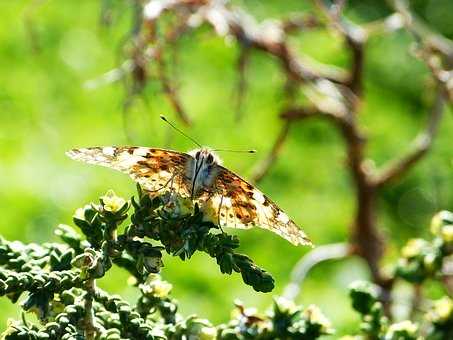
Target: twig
{"x":158,"y":55}
{"x":170,"y":90}
{"x":299,"y":23}
{"x":90,"y":328}
{"x":422,"y":32}
{"x":241,"y":87}
{"x":263,"y":167}
{"x":310,"y":260}
{"x":420,"y":146}
{"x":433,"y":45}
{"x":355,"y":38}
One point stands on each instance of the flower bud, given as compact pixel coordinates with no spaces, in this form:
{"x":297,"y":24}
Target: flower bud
{"x":439,"y":220}
{"x":314,"y":316}
{"x":404,"y":330}
{"x":285,"y":305}
{"x":447,"y":233}
{"x":111,"y":202}
{"x":413,"y":248}
{"x":442,"y":311}
{"x":156,"y":287}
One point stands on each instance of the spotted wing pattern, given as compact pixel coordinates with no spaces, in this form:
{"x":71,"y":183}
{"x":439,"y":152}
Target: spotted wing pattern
{"x":235,"y":203}
{"x":154,"y":169}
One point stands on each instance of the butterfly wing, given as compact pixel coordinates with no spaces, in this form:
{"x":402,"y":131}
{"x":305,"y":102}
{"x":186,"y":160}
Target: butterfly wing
{"x":238,"y":204}
{"x":154,"y":169}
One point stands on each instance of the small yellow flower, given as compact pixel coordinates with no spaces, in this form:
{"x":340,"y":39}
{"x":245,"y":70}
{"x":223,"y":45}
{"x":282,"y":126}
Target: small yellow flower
{"x":315,"y":316}
{"x":111,"y":202}
{"x":80,"y":212}
{"x":285,"y":305}
{"x":200,"y":329}
{"x":132,"y":281}
{"x":439,"y":220}
{"x":163,"y":289}
{"x":210,"y":212}
{"x":404,"y":326}
{"x":429,"y":261}
{"x":413,"y":247}
{"x":156,"y":287}
{"x":11,"y":327}
{"x":176,"y":205}
{"x":208,"y":333}
{"x":436,"y":224}
{"x":447,"y":233}
{"x":441,"y":311}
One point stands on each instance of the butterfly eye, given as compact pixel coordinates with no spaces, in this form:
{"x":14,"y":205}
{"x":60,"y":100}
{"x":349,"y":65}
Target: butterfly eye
{"x":210,"y":159}
{"x":197,"y":155}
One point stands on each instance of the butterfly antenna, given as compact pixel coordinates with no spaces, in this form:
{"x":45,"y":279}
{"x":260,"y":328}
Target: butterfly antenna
{"x":239,"y":151}
{"x":180,"y":131}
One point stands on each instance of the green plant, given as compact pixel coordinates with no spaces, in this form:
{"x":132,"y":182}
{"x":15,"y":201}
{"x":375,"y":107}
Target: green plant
{"x":421,"y":260}
{"x":59,"y":280}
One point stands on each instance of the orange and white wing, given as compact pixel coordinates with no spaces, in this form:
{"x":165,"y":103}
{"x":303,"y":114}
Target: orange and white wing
{"x":154,"y":169}
{"x":235,"y":203}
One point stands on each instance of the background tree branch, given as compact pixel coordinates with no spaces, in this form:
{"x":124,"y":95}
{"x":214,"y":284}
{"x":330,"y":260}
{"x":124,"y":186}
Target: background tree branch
{"x":332,"y":93}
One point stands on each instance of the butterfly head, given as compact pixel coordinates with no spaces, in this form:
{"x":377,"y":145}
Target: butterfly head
{"x":205,"y":156}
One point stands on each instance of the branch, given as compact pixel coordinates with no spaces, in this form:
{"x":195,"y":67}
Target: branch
{"x":437,"y":50}
{"x":355,"y":37}
{"x":422,"y":32}
{"x":170,"y":91}
{"x":263,"y":167}
{"x":168,"y":86}
{"x":269,"y":37}
{"x":241,"y":87}
{"x":90,"y":329}
{"x":420,"y":146}
{"x":312,"y":259}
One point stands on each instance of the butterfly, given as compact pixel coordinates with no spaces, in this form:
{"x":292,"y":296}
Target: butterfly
{"x":198,"y":175}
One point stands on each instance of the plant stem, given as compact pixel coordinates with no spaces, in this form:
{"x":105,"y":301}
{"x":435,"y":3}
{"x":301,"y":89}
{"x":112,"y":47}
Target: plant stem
{"x":90,"y":329}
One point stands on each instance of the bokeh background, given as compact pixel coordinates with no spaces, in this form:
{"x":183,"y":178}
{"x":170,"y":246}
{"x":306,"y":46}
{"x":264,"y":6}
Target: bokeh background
{"x":50,"y":49}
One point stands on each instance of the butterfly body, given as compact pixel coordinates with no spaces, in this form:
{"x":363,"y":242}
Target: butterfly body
{"x":224,"y":197}
{"x":201,"y":170}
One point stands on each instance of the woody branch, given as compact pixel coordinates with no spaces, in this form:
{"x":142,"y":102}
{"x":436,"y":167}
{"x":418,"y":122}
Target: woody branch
{"x":366,"y":238}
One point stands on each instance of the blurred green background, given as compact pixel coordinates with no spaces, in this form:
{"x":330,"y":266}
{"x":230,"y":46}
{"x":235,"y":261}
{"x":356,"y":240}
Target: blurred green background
{"x":47,"y":54}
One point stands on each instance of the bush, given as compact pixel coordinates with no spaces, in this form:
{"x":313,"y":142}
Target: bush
{"x":58,"y":280}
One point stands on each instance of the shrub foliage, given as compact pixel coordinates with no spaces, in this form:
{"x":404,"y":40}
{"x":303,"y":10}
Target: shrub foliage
{"x":57,"y":281}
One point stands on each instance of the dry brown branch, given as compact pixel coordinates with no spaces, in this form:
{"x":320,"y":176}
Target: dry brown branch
{"x":241,"y":88}
{"x":263,"y":167}
{"x":355,"y":37}
{"x":158,"y":55}
{"x":366,"y":238}
{"x":170,"y":90}
{"x":300,"y":23}
{"x":422,"y":32}
{"x":436,"y":50}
